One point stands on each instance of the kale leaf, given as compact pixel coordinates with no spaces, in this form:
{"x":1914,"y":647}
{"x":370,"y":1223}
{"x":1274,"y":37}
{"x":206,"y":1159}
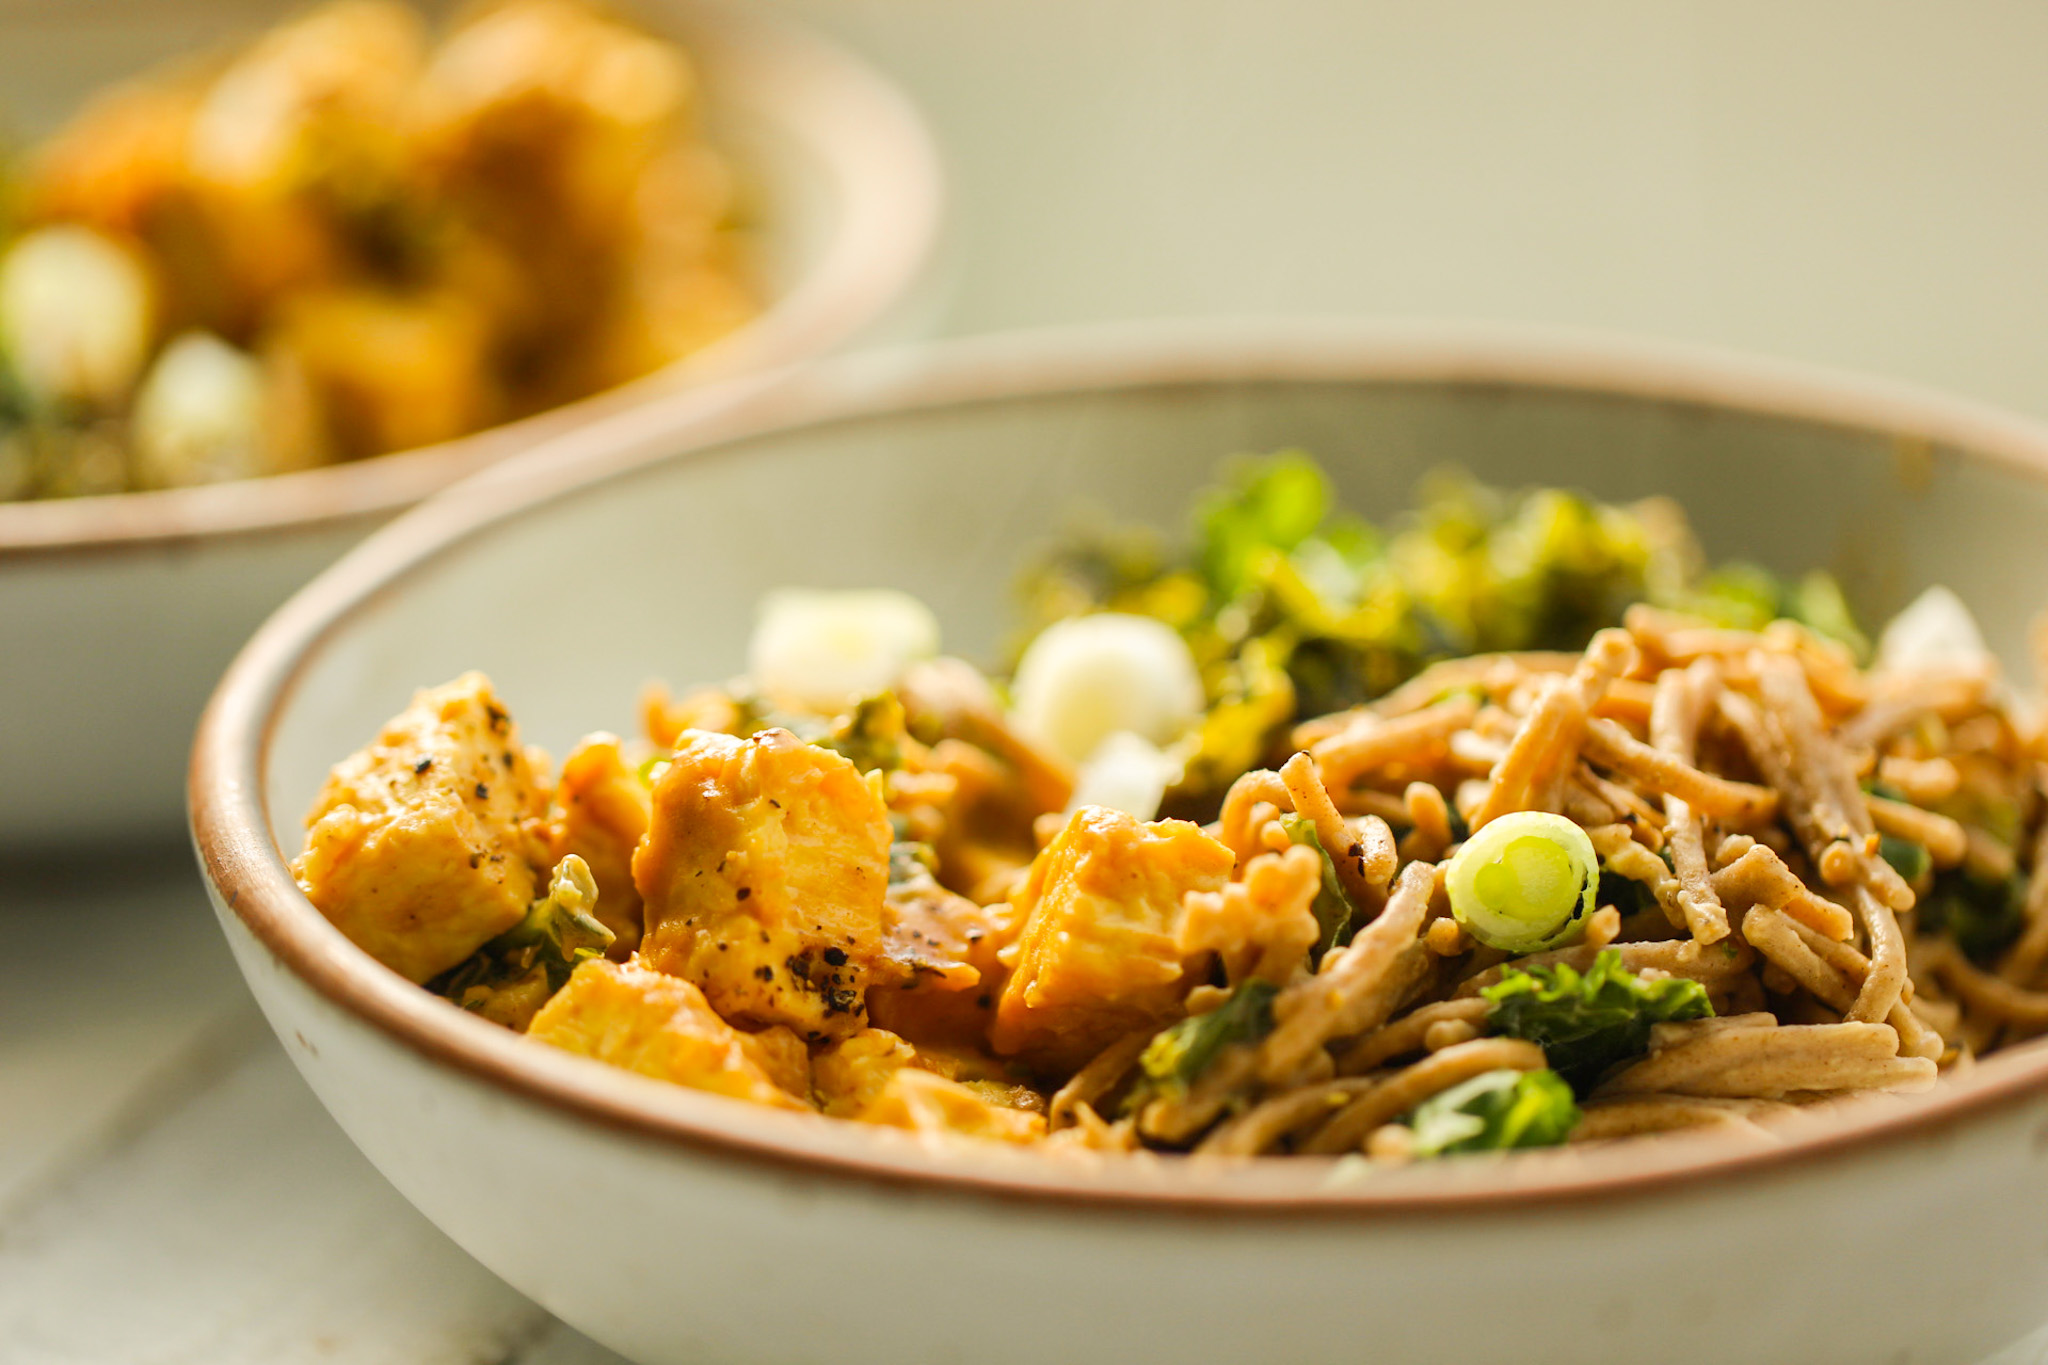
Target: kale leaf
{"x":1269,"y":505}
{"x":1176,"y":1059}
{"x":1335,"y":915}
{"x":1625,"y":894}
{"x":871,"y":734}
{"x":1981,"y":917}
{"x":511,"y":977}
{"x":1495,"y":1111}
{"x":1586,"y":1023}
{"x":1910,"y":860}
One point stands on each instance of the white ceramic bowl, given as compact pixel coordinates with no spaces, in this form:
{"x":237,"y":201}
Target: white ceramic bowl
{"x":118,"y":613}
{"x":676,"y":1226}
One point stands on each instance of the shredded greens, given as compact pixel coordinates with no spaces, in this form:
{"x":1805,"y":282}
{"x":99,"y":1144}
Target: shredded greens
{"x":1586,"y":1023}
{"x":1278,"y":507}
{"x":1176,"y":1059}
{"x":509,"y":978}
{"x":1910,"y":860}
{"x":1293,"y":608}
{"x":1495,"y":1111}
{"x":1335,"y":915}
{"x":871,"y":735}
{"x":911,"y":861}
{"x":1625,"y":894}
{"x":1981,"y":917}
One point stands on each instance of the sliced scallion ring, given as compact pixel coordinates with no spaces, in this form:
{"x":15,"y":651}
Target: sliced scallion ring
{"x":1523,"y":882}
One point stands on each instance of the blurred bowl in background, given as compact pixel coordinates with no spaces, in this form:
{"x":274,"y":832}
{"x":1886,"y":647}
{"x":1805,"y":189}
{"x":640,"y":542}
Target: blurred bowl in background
{"x":684,"y":1226}
{"x":118,"y":612}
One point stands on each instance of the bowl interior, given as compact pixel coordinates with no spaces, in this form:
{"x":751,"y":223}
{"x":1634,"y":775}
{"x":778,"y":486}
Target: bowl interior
{"x":653,"y":571}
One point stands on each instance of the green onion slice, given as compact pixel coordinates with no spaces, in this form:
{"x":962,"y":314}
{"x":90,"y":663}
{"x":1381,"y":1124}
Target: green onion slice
{"x":1524,"y":882}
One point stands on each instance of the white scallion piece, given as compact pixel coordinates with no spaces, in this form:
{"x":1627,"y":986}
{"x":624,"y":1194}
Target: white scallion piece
{"x":199,"y":414}
{"x":1935,"y":631}
{"x":1083,"y":680}
{"x":75,"y":314}
{"x":1127,"y":772}
{"x":824,"y":650}
{"x":1522,"y":882}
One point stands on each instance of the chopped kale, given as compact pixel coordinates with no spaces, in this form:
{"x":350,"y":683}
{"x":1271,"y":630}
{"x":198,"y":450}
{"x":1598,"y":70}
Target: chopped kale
{"x":1293,"y":608}
{"x":1586,"y":1023}
{"x":511,"y":977}
{"x":1178,"y":1057}
{"x":1625,"y":894}
{"x":1495,"y":1111}
{"x":1910,"y":860}
{"x":871,"y":734}
{"x":1981,"y":917}
{"x":1336,"y":916}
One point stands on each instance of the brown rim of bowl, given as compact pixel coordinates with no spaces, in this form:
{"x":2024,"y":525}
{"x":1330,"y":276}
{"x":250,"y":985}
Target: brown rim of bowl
{"x":248,"y":874}
{"x":870,"y":144}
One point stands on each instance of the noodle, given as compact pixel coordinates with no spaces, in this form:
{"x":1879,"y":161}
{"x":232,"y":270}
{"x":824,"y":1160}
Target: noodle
{"x":1675,"y":718}
{"x":1241,"y":821}
{"x":1357,"y":988}
{"x":1096,"y":1079}
{"x":1452,"y":675}
{"x":1370,"y":743}
{"x":1407,"y":1034}
{"x":1545,"y":751}
{"x":1261,"y":927}
{"x":1989,"y":994}
{"x":1946,"y":842}
{"x":1364,"y":857}
{"x":1429,"y":816}
{"x":1260,"y":1129}
{"x":1759,"y":1058}
{"x":1735,"y":802}
{"x":1634,"y":1115}
{"x":1754,"y":872}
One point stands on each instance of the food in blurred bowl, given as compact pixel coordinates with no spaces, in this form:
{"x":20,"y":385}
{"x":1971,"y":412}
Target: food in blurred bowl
{"x":367,"y":312}
{"x":350,"y":238}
